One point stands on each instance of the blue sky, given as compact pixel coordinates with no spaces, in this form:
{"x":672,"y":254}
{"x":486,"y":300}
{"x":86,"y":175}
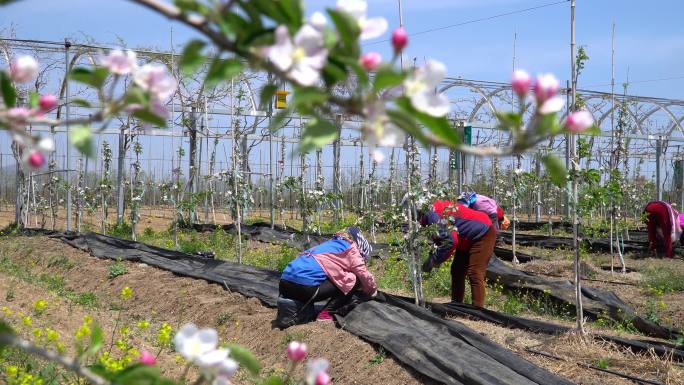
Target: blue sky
{"x":649,"y":35}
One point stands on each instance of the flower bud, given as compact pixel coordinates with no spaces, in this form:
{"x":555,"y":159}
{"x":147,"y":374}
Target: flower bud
{"x":296,"y":351}
{"x":47,"y":102}
{"x":521,"y":82}
{"x":579,"y":121}
{"x":23,"y":69}
{"x":36,"y":159}
{"x":147,"y":358}
{"x":546,"y":87}
{"x":399,"y":39}
{"x":371,"y":60}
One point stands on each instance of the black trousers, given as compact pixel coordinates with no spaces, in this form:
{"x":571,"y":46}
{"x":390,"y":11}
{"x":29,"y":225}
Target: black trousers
{"x":326,"y":291}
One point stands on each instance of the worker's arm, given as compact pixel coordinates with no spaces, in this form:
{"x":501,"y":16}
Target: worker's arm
{"x":443,"y":239}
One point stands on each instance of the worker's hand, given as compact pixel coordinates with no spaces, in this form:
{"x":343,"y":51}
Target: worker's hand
{"x":505,"y":223}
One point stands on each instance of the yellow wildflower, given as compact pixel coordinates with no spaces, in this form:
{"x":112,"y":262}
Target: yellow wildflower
{"x":27,"y":321}
{"x":40,"y":305}
{"x":143,"y":325}
{"x":126,"y":293}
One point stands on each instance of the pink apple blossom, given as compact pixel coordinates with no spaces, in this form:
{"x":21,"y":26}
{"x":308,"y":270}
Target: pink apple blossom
{"x":521,"y":82}
{"x":119,"y":62}
{"x":371,"y":60}
{"x":296,"y":351}
{"x":23,"y":69}
{"x":579,"y":121}
{"x":18,"y":115}
{"x":399,"y":39}
{"x":47,"y":102}
{"x":546,"y":87}
{"x":147,"y":358}
{"x":156,"y":80}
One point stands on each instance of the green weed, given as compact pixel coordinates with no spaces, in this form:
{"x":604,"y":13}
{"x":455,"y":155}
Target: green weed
{"x":378,"y":358}
{"x":62,"y":262}
{"x":224,"y":318}
{"x":87,"y":300}
{"x":664,"y":279}
{"x":117,"y":268}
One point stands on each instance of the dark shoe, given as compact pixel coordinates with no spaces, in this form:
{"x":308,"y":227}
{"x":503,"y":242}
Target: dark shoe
{"x":427,"y":266}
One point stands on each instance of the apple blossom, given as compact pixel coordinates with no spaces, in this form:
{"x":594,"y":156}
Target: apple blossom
{"x":545,"y":87}
{"x":47,"y":102}
{"x":551,"y":106}
{"x":35,"y":159}
{"x":296,"y":351}
{"x":119,"y":62}
{"x":302,"y":57}
{"x":18,"y":115}
{"x":147,"y":358}
{"x":314,"y":368}
{"x":318,"y":21}
{"x":399,"y":39}
{"x":371,"y":60}
{"x":156,"y":80}
{"x":23,"y":69}
{"x":521,"y":82}
{"x":192,"y":342}
{"x":46,"y":144}
{"x":579,"y":121}
{"x":323,"y":378}
{"x":420,"y":88}
{"x":370,"y":28}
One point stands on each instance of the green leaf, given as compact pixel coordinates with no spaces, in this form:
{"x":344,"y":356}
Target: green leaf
{"x":593,"y":130}
{"x":266,"y":96}
{"x":317,"y":133}
{"x":149,"y":117}
{"x":245,"y":358}
{"x":222,"y":69}
{"x":96,"y":341}
{"x":192,"y":57}
{"x":94,"y":77}
{"x":308,"y":96}
{"x":439,"y":126}
{"x":33,"y":99}
{"x":509,"y":120}
{"x":138,"y":374}
{"x":408,"y":123}
{"x":277,"y":120}
{"x":556,"y":169}
{"x":386,"y":77}
{"x":5,"y":329}
{"x":361,"y":74}
{"x":82,"y":139}
{"x":272,"y":380}
{"x":334,"y":71}
{"x":548,"y":124}
{"x":9,"y":94}
{"x":347,"y":27}
{"x":80,"y":102}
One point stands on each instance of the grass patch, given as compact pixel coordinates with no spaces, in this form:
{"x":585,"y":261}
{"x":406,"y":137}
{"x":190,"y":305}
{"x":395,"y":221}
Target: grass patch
{"x":664,"y":279}
{"x":292,"y":336}
{"x":224,"y":318}
{"x":87,"y":300}
{"x":61,"y":262}
{"x":117,"y":268}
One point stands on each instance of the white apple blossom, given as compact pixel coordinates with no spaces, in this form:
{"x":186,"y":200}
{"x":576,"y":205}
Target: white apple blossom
{"x":23,"y":69}
{"x":193,"y":343}
{"x":156,"y":80}
{"x":119,"y":62}
{"x":318,"y":21}
{"x":551,"y":106}
{"x":303,"y":57}
{"x":370,"y":28}
{"x":420,"y":88}
{"x":379,"y":130}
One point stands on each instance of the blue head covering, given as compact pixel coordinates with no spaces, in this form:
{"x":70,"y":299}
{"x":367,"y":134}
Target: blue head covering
{"x":468,"y":198}
{"x":364,"y":247}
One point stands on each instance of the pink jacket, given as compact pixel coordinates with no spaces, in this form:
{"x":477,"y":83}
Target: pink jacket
{"x":343,"y":268}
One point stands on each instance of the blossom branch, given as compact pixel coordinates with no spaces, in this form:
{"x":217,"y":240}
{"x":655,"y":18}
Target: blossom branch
{"x":65,"y":362}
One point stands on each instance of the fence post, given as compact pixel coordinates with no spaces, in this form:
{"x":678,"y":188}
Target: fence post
{"x":659,"y":190}
{"x":67,"y":44}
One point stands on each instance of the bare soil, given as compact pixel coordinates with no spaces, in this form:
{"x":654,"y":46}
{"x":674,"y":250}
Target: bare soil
{"x":160,"y":296}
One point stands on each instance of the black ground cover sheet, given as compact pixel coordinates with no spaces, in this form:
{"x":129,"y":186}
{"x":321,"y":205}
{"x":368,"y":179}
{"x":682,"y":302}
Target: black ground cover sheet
{"x":444,"y":350}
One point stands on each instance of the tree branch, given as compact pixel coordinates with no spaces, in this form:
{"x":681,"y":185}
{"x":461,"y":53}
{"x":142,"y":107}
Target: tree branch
{"x":66,"y":362}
